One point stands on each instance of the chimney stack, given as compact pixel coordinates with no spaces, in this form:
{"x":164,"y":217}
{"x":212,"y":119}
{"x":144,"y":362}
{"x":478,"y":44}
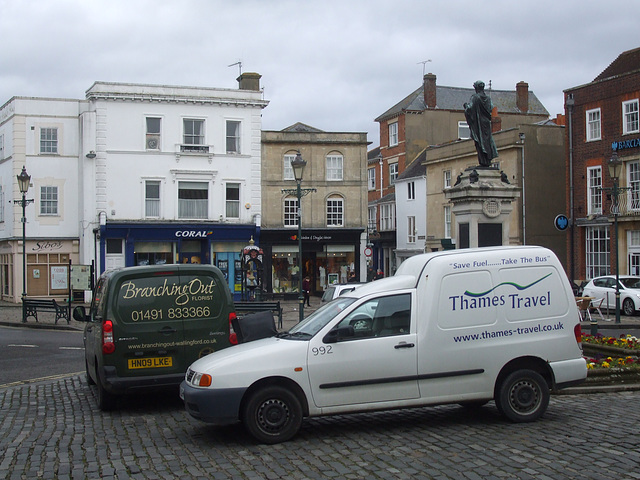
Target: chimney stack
{"x":429,"y":87}
{"x":249,"y":81}
{"x":522,"y":96}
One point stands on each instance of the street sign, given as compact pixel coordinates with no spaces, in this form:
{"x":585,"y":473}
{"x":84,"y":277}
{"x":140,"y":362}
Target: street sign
{"x":368,"y":252}
{"x":561,"y":222}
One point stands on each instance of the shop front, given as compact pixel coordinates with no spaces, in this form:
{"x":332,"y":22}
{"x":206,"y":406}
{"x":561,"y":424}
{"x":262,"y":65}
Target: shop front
{"x":130,"y":244}
{"x":328,"y":256}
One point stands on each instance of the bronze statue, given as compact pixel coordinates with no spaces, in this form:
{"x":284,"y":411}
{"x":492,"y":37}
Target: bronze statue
{"x":478,"y":115}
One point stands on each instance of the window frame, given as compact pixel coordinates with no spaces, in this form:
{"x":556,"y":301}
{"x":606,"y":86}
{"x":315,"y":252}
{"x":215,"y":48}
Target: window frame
{"x":290,"y":212}
{"x":411,"y":229}
{"x":633,"y":180}
{"x":393,"y":172}
{"x":594,"y":190}
{"x":197,"y":206}
{"x":592,"y":124}
{"x":463,"y":127}
{"x":49,"y":201}
{"x":387,"y":217}
{"x":597,"y":260}
{"x":393,"y":134}
{"x":446,"y":178}
{"x":371,"y":178}
{"x":199,"y":136}
{"x":152,"y":201}
{"x":447,"y":221}
{"x":49,"y":144}
{"x":232,"y":205}
{"x":411,"y":190}
{"x":287,"y":169}
{"x":151,"y":136}
{"x":233,"y":138}
{"x":632,"y":117}
{"x":334,"y":167}
{"x":334,"y":211}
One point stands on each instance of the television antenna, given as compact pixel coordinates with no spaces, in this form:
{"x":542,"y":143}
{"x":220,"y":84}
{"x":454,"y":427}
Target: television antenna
{"x":239,"y":63}
{"x":424,"y":63}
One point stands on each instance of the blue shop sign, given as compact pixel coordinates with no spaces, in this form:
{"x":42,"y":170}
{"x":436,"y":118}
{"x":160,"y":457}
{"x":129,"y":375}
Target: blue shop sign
{"x":624,"y":144}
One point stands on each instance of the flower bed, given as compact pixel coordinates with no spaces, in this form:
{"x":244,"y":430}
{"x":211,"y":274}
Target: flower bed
{"x":612,"y":360}
{"x":628,"y":342}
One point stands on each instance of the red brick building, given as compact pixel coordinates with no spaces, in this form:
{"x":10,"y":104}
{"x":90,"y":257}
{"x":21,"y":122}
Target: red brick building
{"x":601,"y":123}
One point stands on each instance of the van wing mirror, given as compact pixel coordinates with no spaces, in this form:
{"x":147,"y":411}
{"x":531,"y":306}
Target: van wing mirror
{"x":80,"y":314}
{"x":339,"y":333}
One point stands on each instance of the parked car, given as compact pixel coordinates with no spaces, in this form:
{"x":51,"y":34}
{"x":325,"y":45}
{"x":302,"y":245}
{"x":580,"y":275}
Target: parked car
{"x":605,"y":288}
{"x":457,"y":326}
{"x":337,"y":289}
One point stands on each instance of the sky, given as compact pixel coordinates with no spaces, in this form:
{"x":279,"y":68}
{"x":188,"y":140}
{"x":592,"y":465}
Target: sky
{"x":333,"y":64}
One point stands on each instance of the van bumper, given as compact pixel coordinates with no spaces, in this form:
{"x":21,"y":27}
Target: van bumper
{"x":121,"y":385}
{"x":567,"y":373}
{"x":220,"y":407}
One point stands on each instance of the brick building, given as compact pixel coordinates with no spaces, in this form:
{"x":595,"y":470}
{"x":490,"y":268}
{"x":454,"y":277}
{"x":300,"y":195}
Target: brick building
{"x":602,"y":123}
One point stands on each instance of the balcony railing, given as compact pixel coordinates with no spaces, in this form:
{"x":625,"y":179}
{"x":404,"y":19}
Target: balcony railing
{"x":184,"y":148}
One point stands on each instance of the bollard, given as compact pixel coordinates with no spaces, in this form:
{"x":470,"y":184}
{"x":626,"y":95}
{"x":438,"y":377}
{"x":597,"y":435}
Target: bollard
{"x":594,"y":326}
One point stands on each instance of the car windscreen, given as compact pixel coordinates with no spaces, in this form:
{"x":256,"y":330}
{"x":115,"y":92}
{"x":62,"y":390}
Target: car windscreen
{"x":630,"y":282}
{"x":321,"y":317}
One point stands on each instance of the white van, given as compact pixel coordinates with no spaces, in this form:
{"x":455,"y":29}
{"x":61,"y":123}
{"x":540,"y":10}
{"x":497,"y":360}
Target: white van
{"x":458,"y":326}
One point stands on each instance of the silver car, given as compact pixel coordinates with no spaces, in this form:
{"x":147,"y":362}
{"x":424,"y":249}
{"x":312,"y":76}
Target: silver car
{"x":605,"y":288}
{"x":337,"y":289}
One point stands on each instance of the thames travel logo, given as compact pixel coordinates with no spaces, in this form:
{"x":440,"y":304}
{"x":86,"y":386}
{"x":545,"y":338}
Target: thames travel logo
{"x":490,"y":298}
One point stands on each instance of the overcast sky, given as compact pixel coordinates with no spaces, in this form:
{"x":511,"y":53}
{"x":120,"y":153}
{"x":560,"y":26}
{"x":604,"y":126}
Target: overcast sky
{"x":335,"y":65}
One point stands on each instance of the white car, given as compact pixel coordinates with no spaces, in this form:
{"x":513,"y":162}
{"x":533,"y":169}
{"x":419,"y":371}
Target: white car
{"x":605,"y":288}
{"x":337,"y":289}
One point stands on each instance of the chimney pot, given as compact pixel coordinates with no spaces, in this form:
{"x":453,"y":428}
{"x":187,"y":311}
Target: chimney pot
{"x":429,"y":87}
{"x":522,"y":96}
{"x":249,"y":81}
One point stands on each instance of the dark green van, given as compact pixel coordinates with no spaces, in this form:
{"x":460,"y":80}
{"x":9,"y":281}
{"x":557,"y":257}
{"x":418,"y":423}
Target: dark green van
{"x":146,"y":325}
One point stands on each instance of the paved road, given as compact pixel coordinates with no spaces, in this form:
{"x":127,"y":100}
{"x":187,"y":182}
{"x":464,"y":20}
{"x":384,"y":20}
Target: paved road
{"x":53,"y":430}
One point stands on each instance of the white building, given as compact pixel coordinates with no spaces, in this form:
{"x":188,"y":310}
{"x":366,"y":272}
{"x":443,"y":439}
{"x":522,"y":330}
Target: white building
{"x":133,"y":175}
{"x":411,"y":210}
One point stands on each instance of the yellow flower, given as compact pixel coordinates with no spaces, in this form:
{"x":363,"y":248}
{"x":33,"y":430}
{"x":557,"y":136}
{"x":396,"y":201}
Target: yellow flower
{"x":591,"y":365}
{"x":605,"y":364}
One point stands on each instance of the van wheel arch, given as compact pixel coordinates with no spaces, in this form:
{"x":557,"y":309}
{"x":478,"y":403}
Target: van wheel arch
{"x":280,"y":382}
{"x":525,"y":363}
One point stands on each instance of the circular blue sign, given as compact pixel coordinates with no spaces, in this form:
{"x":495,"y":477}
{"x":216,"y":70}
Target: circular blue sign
{"x":561,"y":222}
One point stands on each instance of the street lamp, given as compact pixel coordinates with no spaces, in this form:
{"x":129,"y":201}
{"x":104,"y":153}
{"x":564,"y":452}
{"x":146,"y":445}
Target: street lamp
{"x":298,"y":165}
{"x":23,"y":185}
{"x":615,"y":167}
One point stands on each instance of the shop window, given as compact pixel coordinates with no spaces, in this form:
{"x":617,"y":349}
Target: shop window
{"x":193,"y":199}
{"x":597,"y":249}
{"x":233,"y":200}
{"x":335,"y":211}
{"x":153,"y":253}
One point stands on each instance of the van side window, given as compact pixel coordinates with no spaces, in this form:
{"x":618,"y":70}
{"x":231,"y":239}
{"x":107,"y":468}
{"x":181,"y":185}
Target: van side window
{"x":381,"y":317}
{"x":97,"y":304}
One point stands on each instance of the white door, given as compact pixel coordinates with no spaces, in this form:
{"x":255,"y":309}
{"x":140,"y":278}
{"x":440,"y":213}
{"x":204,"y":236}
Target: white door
{"x":378,"y":364}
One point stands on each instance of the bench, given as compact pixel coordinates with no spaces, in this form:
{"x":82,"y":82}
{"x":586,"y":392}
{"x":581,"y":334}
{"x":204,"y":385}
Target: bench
{"x":31,"y":306}
{"x":253,"y":307}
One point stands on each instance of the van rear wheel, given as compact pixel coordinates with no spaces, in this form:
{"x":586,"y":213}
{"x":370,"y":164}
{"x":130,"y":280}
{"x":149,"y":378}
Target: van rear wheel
{"x":272,"y":415}
{"x":523,"y":396}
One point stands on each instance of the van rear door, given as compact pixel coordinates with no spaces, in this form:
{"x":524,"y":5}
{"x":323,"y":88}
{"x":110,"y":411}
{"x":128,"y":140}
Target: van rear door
{"x":148,"y":326}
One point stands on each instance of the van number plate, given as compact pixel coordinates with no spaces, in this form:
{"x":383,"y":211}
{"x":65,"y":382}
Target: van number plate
{"x":152,"y":362}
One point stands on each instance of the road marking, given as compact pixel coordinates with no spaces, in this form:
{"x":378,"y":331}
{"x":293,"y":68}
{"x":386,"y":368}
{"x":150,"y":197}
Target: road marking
{"x":25,"y":346}
{"x":34,"y":380}
{"x":71,"y":348}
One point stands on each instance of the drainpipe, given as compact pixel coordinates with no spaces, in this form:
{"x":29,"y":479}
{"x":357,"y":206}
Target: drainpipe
{"x":569,"y":106}
{"x":524,"y":197}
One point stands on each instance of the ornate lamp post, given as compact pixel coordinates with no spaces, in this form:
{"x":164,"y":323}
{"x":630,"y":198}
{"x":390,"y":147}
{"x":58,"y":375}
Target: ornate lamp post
{"x":615,"y":167}
{"x":298,"y":165}
{"x":23,"y":184}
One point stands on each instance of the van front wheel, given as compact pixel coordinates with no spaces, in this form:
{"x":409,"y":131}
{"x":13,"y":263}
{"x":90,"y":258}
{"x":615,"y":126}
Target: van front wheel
{"x":272,"y":415}
{"x":523,"y":396}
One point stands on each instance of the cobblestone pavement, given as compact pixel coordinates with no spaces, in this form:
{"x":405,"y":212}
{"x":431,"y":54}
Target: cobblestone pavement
{"x":53,"y":430}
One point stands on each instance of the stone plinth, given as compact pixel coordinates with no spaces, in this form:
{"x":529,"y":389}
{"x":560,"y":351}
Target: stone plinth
{"x":482,"y":199}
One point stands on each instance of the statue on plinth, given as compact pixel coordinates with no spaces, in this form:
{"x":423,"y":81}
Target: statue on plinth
{"x":478,"y":114}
